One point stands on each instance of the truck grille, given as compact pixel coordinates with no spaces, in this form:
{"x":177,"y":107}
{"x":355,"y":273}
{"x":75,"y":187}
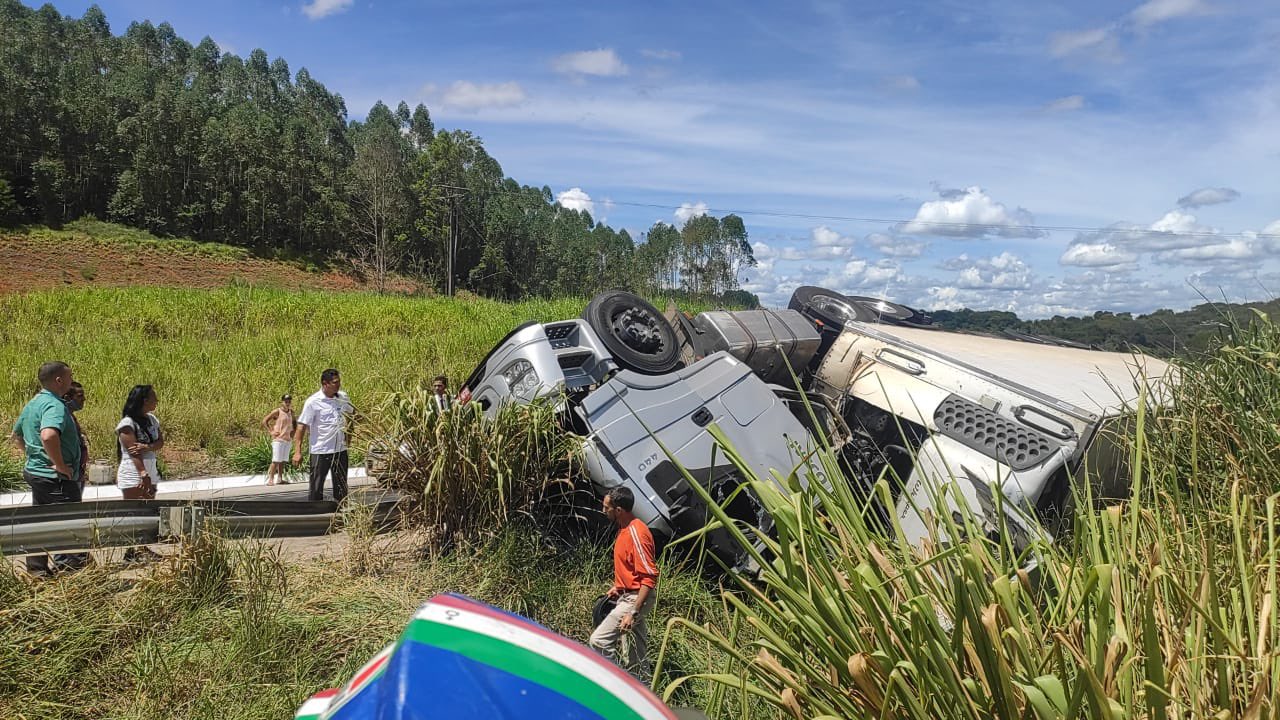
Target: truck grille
{"x":995,"y":436}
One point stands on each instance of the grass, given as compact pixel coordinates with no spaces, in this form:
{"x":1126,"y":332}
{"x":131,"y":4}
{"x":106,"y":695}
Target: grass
{"x":220,"y":359}
{"x":465,"y":475}
{"x":228,"y":631}
{"x":1159,"y":607}
{"x":113,"y":235}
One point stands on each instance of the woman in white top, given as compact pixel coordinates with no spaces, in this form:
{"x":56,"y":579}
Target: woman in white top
{"x":139,"y":439}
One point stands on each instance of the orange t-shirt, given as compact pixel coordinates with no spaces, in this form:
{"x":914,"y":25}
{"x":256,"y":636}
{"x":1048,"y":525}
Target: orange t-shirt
{"x":633,"y":562}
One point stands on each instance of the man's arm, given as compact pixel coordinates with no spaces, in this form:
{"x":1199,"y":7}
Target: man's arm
{"x":17,"y":441}
{"x":271,"y":416}
{"x":299,"y":436}
{"x":51,"y":439}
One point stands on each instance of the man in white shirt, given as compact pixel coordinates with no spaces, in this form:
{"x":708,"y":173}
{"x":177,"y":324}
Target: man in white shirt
{"x":440,"y":400}
{"x":324,"y":415}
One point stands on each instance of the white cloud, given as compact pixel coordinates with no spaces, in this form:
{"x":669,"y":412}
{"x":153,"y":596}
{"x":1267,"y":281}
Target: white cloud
{"x":970,"y":213}
{"x":1207,"y":196}
{"x":824,"y":236}
{"x":464,"y":96}
{"x":1272,"y":229}
{"x":1099,"y":255}
{"x":1066,"y":43}
{"x":1005,"y":271}
{"x":658,"y":54}
{"x":688,"y":211}
{"x":599,"y":63}
{"x":1234,"y":249}
{"x":896,"y":245}
{"x":1065,"y":104}
{"x":317,"y":9}
{"x":1177,"y":223}
{"x":576,"y":199}
{"x":1158,"y":11}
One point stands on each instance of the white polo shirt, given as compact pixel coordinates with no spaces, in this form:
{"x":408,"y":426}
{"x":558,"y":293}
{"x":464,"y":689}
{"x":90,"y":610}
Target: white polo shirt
{"x":325,"y":417}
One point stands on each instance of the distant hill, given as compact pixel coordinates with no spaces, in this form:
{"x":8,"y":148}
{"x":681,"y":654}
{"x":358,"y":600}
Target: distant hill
{"x":1163,"y":332}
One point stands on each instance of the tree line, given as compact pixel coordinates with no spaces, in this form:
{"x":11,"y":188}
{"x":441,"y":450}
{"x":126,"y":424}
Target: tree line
{"x":149,"y":130}
{"x":1162,"y":332}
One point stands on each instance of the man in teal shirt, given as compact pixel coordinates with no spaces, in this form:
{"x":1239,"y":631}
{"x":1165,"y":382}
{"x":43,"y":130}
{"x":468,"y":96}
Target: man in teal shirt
{"x":48,"y":434}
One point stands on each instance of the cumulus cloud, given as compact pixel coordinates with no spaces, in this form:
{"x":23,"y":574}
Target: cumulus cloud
{"x":1174,"y":230}
{"x":1207,"y":196}
{"x":603,"y":62}
{"x":1005,"y":271}
{"x":1097,"y":255}
{"x":1272,"y":229}
{"x":1065,"y":104}
{"x":688,"y":211}
{"x":465,"y":96}
{"x":576,"y":199}
{"x":1228,"y":250}
{"x":656,"y":54}
{"x":896,"y":245}
{"x":1158,"y":11}
{"x":859,"y":274}
{"x":317,"y":9}
{"x":824,"y":236}
{"x":970,"y":213}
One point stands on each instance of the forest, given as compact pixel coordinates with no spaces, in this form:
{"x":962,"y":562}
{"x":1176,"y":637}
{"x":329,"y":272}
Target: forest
{"x":185,"y":140}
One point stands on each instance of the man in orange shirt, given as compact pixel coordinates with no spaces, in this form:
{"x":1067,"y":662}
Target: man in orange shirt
{"x":635,"y":581}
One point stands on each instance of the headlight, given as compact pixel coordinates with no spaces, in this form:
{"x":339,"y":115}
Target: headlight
{"x":521,"y":377}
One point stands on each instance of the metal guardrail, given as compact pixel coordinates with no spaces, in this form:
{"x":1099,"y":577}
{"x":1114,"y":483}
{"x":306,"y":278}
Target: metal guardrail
{"x":115,"y":523}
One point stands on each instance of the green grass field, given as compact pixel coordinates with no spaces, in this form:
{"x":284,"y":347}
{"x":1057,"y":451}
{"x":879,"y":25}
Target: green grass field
{"x":221,"y":359}
{"x":1160,"y":607}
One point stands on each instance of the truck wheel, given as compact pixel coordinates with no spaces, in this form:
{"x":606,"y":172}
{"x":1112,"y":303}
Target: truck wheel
{"x":889,"y":312}
{"x":637,"y":335}
{"x":829,"y":307}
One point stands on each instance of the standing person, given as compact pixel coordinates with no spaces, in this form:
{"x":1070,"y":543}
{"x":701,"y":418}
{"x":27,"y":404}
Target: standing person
{"x":324,"y":415}
{"x":139,"y":438}
{"x":635,"y":582}
{"x":75,"y":403}
{"x":47,"y":434}
{"x":279,"y":423}
{"x":440,"y":399}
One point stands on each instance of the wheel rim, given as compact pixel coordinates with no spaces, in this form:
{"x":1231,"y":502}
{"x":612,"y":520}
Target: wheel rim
{"x":837,"y":308}
{"x":638,"y":330}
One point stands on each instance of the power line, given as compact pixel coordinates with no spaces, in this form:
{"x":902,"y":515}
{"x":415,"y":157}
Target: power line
{"x":1025,"y":230}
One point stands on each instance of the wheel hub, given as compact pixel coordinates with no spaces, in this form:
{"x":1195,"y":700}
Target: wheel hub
{"x":638,"y":330}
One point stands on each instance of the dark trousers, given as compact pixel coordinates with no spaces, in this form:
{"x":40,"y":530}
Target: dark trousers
{"x":322,"y":465}
{"x":51,"y":491}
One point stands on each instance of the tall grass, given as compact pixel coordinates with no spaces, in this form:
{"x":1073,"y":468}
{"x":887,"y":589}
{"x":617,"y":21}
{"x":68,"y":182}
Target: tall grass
{"x":231,"y":630}
{"x":1159,"y":607}
{"x":221,"y":359}
{"x":467,"y":476}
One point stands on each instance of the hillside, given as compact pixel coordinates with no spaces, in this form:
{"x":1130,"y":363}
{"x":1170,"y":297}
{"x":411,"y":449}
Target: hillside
{"x":89,"y":253}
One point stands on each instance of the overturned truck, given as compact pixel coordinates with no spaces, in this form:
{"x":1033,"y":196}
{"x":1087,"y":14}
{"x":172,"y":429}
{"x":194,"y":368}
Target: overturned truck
{"x":895,"y":398}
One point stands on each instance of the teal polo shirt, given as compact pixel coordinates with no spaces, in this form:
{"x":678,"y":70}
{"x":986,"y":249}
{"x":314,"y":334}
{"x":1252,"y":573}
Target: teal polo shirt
{"x":47,"y":410}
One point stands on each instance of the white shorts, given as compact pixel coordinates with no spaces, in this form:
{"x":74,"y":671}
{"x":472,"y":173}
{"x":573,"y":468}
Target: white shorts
{"x":280,"y":450}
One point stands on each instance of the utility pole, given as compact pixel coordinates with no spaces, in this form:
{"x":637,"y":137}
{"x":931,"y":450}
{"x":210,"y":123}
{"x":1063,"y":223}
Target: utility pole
{"x":451,"y":244}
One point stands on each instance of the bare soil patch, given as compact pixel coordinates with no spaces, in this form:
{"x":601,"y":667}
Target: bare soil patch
{"x":28,"y":264}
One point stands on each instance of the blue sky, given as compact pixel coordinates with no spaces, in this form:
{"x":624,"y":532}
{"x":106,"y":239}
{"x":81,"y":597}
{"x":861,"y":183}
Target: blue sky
{"x":1043,"y":157}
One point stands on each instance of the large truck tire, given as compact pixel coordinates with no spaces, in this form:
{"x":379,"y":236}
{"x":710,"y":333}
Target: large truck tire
{"x":634,"y":332}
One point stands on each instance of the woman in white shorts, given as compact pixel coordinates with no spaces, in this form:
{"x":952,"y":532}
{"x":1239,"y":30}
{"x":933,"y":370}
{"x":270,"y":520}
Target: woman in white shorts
{"x":279,"y":423}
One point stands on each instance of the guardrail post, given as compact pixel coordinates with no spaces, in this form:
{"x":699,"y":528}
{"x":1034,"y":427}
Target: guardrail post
{"x":185,"y":521}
